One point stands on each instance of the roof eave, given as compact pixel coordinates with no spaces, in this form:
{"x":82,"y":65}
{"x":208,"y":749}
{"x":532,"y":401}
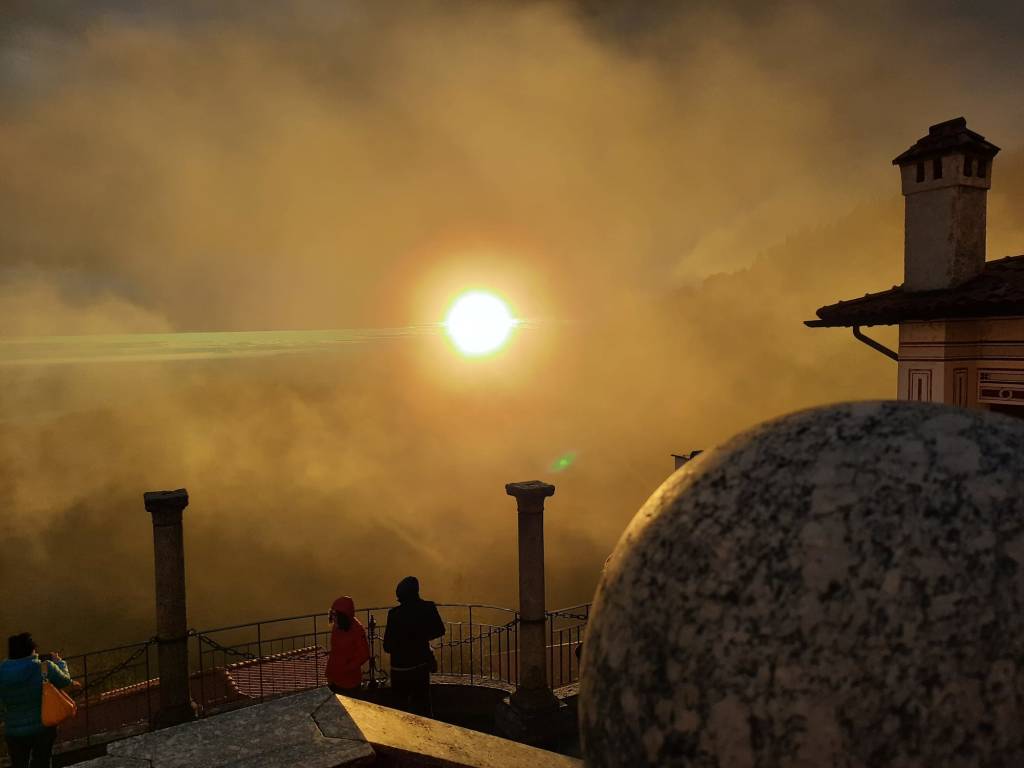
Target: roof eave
{"x":982,"y":147}
{"x":847,"y":323}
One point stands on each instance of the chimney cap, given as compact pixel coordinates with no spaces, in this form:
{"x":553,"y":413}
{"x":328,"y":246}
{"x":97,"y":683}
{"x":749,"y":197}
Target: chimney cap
{"x":945,"y":137}
{"x":948,"y":127}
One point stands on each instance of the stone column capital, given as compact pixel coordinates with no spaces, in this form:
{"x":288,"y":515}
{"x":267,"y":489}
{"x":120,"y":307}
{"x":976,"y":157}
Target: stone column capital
{"x":530,"y":494}
{"x":166,"y":506}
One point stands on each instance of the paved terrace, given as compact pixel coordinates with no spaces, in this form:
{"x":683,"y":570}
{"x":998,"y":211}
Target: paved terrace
{"x":317,"y":729}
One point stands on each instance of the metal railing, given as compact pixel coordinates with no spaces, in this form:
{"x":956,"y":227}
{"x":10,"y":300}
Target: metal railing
{"x":267,"y":658}
{"x":121,"y":682}
{"x":242,"y":664}
{"x":565,"y":636}
{"x":480,"y":648}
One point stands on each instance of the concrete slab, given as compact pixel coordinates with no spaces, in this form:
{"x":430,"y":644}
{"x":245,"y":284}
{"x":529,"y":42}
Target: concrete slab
{"x":281,"y":733}
{"x":412,"y":740}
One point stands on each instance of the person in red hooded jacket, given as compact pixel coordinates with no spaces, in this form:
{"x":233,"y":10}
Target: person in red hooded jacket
{"x":349,"y":649}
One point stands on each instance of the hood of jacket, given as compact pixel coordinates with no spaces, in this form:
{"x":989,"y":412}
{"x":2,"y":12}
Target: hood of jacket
{"x":408,"y":590}
{"x":18,"y":671}
{"x":345,"y":605}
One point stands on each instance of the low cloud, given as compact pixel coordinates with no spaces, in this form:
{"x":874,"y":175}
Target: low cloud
{"x":665,"y":201}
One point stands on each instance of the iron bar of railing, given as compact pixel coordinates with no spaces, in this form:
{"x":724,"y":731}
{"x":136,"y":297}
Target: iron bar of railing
{"x":470,"y":645}
{"x":372,"y":643}
{"x":551,"y":653}
{"x":368,"y":611}
{"x":570,"y":655}
{"x":251,"y":624}
{"x":316,"y":654}
{"x":515,"y":644}
{"x":112,"y":649}
{"x":561,"y":640}
{"x":573,"y":653}
{"x":581,"y":612}
{"x":202,"y":676}
{"x":149,"y":704}
{"x":259,"y":647}
{"x":85,"y":675}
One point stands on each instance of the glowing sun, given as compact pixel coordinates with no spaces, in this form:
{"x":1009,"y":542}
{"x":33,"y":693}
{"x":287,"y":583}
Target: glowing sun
{"x":478,"y":323}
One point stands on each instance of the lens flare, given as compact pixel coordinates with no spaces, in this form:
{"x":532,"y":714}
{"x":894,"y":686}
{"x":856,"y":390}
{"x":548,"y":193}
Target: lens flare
{"x":479,"y":323}
{"x":563,"y":462}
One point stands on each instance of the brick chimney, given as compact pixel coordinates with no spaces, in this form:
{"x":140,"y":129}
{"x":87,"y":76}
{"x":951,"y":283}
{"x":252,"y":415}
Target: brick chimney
{"x":946,"y":176}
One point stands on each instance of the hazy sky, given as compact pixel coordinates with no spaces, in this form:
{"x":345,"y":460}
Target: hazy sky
{"x":665,"y":189}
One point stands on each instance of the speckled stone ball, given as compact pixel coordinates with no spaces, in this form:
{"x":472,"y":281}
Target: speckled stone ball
{"x":840,"y":587}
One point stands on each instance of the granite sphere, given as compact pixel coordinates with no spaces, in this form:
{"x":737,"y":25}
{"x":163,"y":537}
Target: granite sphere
{"x":840,"y":587}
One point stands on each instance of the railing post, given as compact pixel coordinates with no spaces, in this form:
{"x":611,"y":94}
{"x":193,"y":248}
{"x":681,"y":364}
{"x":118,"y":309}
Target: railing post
{"x":471,"y":645}
{"x":166,"y":507}
{"x":202,"y":674}
{"x":373,"y":653}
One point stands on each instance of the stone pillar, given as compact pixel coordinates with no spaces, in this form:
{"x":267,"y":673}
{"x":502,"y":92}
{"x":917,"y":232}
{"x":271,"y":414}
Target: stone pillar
{"x":171,"y":624}
{"x":532,"y":694}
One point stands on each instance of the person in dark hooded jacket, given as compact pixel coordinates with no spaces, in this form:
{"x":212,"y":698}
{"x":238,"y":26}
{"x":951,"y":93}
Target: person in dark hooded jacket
{"x":29,"y":742}
{"x":410,"y":628}
{"x":349,"y":649}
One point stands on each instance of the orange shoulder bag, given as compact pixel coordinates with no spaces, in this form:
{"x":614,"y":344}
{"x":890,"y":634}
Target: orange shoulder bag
{"x":57,"y":705}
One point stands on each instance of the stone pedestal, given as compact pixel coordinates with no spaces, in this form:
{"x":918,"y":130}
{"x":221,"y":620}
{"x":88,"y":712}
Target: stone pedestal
{"x":166,"y":507}
{"x":541,"y":726}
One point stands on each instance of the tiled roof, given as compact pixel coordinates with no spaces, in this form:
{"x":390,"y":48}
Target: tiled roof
{"x":944,"y":137}
{"x":997,"y":292}
{"x":287,"y":672}
{"x":129,"y":705}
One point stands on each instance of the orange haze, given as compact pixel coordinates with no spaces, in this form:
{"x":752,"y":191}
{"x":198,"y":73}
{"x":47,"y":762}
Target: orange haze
{"x":666,"y":200}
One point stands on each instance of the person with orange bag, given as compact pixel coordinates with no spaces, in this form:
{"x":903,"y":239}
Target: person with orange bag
{"x":22,"y":673}
{"x":349,"y":649}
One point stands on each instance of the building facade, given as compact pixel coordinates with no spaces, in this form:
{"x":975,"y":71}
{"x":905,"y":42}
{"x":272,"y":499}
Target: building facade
{"x":960,"y":317}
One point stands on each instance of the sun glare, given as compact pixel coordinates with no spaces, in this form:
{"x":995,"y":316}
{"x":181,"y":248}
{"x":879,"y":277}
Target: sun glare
{"x":479,"y":323}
